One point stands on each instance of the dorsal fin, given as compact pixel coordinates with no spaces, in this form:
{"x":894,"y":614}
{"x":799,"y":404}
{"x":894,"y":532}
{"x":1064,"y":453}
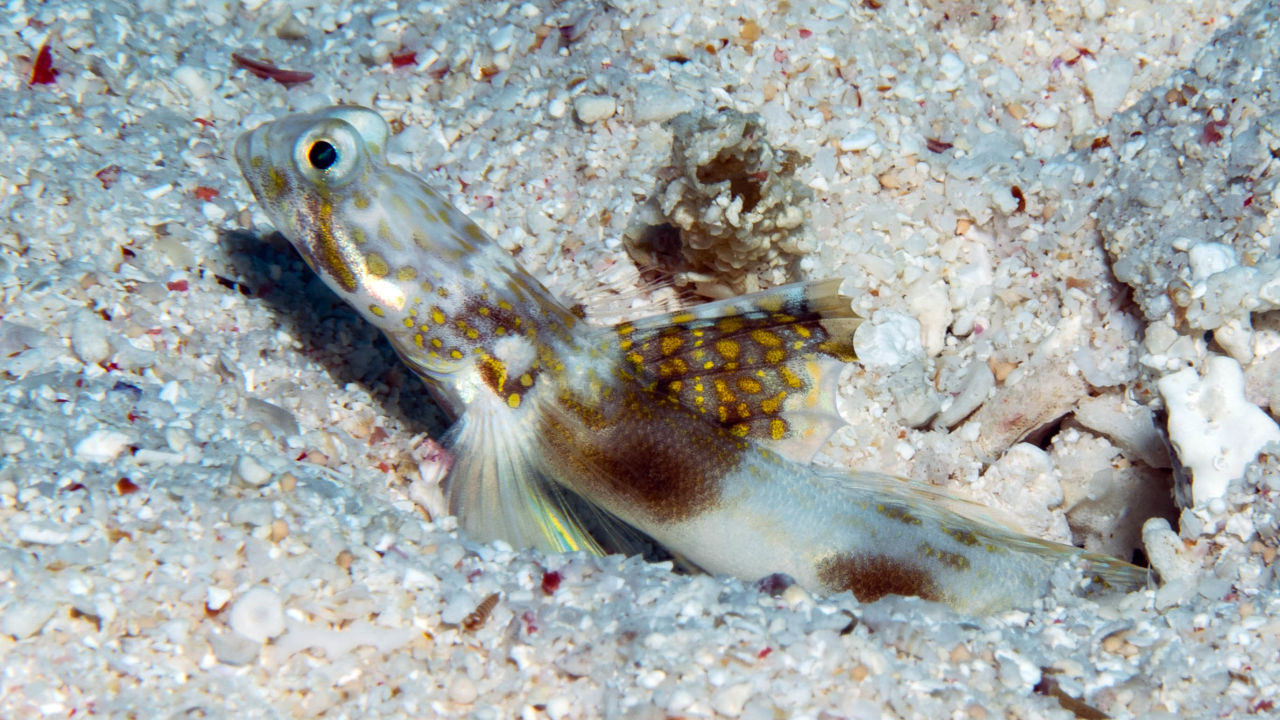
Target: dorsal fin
{"x":764,"y":365}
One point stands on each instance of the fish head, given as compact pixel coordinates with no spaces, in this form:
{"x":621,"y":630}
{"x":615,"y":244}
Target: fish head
{"x":322,"y":178}
{"x":444,"y":293}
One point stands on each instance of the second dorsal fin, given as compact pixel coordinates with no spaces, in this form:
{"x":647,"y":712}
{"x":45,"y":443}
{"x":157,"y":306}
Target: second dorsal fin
{"x":764,"y":365}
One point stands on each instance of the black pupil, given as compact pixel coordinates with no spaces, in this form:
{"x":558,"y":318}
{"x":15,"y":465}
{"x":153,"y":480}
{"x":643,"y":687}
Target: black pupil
{"x":322,"y":155}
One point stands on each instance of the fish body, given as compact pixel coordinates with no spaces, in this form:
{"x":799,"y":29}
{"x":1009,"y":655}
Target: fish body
{"x":692,"y":429}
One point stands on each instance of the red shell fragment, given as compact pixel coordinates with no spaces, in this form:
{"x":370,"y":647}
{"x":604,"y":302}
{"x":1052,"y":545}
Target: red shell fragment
{"x":550,"y":582}
{"x":267,"y":71}
{"x":937,"y":146}
{"x":42,"y":71}
{"x":1212,"y":133}
{"x":404,"y":58}
{"x":205,"y":193}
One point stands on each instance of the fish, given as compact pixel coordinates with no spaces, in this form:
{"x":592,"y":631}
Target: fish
{"x":692,"y":431}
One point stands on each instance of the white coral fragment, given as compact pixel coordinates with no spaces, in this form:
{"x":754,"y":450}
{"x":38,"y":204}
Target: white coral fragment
{"x":1214,"y":429}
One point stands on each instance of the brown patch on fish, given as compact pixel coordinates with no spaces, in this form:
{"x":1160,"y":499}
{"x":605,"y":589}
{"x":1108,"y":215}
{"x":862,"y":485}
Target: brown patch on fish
{"x":871,"y":577}
{"x":645,"y":452}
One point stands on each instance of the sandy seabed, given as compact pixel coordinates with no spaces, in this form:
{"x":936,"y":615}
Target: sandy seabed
{"x":1060,"y":220}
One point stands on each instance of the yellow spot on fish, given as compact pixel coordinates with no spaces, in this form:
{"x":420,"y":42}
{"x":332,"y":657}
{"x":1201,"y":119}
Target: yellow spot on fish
{"x":740,"y":430}
{"x":376,"y":265}
{"x":437,"y":342}
{"x":526,"y":380}
{"x":777,"y":429}
{"x":513,"y":401}
{"x":360,"y":200}
{"x":408,"y":322}
{"x":775,"y":356}
{"x":406,"y":273}
{"x":455,"y":354}
{"x":765,"y":338}
{"x":437,"y":316}
{"x":729,"y":324}
{"x":683,"y":317}
{"x":669,"y":344}
{"x":773,"y":404}
{"x":275,"y":183}
{"x":727,"y":348}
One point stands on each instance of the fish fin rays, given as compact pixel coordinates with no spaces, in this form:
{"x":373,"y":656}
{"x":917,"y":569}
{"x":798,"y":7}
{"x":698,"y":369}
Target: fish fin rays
{"x":499,"y":488}
{"x":969,"y":522}
{"x":765,"y":366}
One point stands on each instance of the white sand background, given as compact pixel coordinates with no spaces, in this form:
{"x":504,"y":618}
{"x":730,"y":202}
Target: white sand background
{"x":210,"y":467}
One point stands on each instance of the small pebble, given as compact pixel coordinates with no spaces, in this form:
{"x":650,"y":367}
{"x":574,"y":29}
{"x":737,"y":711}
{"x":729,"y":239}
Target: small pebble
{"x":12,"y":444}
{"x":89,"y":340}
{"x":215,"y":598}
{"x":558,"y":707}
{"x":1048,"y":117}
{"x":729,"y":701}
{"x":254,"y":513}
{"x":24,"y":618}
{"x":594,"y":108}
{"x":101,"y":446}
{"x":857,"y":140}
{"x":233,"y":649}
{"x":42,"y":533}
{"x":252,"y":472}
{"x":258,"y":614}
{"x":462,"y":690}
{"x":500,"y":38}
{"x":192,"y":81}
{"x":557,"y":107}
{"x":279,"y":530}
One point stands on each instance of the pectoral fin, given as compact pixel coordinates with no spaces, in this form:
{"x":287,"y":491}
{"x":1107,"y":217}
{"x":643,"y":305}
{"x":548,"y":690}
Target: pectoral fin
{"x":499,"y":488}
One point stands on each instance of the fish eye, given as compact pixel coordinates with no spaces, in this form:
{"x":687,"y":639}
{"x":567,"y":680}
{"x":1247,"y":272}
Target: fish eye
{"x":322,"y":155}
